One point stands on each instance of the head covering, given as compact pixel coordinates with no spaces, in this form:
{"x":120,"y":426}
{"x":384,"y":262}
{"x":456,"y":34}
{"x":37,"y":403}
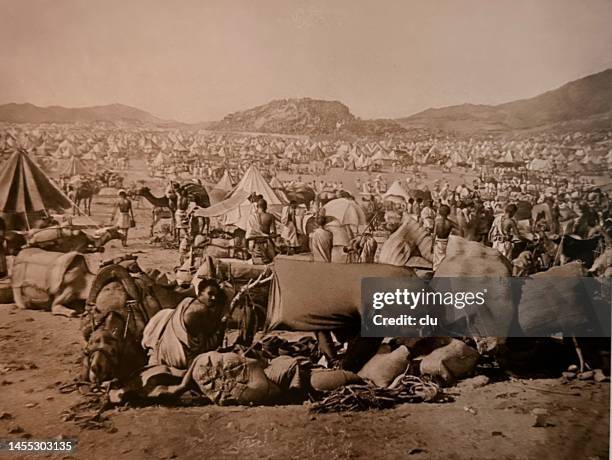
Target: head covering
{"x":121,"y":191}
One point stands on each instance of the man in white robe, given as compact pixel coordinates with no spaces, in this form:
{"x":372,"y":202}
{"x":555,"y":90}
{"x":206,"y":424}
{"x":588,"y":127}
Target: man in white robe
{"x":289,"y":222}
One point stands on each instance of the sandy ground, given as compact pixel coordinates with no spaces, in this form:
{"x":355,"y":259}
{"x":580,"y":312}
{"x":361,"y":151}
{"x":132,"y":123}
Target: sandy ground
{"x":41,"y":353}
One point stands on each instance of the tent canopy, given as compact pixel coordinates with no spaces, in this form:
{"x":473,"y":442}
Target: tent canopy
{"x":253,"y":182}
{"x":74,"y":167}
{"x":396,"y":189}
{"x":26,"y":191}
{"x":237,"y":207}
{"x":225,"y":183}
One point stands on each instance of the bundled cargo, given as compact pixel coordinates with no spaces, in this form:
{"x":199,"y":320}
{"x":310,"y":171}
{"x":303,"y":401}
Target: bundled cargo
{"x":314,"y":296}
{"x":450,"y":362}
{"x":402,"y":244}
{"x":385,"y":366}
{"x":472,"y":259}
{"x":555,"y":301}
{"x":469,"y":259}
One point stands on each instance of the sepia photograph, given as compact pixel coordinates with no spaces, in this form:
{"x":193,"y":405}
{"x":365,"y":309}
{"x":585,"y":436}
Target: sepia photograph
{"x":318,"y":229}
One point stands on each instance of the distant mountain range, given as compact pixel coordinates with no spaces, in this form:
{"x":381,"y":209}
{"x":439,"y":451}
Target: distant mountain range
{"x":29,"y":113}
{"x":581,"y":104}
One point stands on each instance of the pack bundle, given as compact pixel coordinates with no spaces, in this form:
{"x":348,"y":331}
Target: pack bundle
{"x":470,"y":259}
{"x":555,"y":301}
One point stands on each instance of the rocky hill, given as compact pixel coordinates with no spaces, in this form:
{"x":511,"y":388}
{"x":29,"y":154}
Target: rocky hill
{"x":290,"y":116}
{"x":586,"y":102}
{"x":304,"y":116}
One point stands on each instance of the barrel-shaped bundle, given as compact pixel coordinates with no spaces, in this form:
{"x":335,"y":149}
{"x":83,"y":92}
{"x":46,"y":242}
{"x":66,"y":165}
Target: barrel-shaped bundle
{"x":472,"y":259}
{"x":555,"y":301}
{"x":467,"y":262}
{"x":314,"y":296}
{"x":44,"y":236}
{"x":401,"y":245}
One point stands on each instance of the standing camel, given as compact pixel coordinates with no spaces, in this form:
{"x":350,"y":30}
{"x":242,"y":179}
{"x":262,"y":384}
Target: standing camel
{"x":82,"y":194}
{"x":195,"y":192}
{"x":163,"y":208}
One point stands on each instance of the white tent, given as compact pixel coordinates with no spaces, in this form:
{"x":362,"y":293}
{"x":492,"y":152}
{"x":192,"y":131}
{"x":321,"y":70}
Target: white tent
{"x":540,"y":164}
{"x":251,"y":182}
{"x":159,"y":160}
{"x":396,"y":189}
{"x":225,"y":183}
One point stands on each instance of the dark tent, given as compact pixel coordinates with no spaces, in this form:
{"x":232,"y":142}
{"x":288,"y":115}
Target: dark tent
{"x":26,"y":193}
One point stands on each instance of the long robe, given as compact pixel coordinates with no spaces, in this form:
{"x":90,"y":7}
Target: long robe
{"x":321,"y":245}
{"x":289,"y":232}
{"x":439,"y":252}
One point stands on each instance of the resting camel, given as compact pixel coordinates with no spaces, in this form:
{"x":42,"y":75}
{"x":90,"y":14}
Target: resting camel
{"x":121,"y":301}
{"x":61,"y":239}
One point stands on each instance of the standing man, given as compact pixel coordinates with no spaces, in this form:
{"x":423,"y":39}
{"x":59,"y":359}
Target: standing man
{"x":181,"y":222}
{"x":504,"y":232}
{"x":427,"y":216}
{"x":443,"y":227}
{"x":3,"y":264}
{"x":125,"y":216}
{"x":290,"y":233}
{"x":261,"y":228}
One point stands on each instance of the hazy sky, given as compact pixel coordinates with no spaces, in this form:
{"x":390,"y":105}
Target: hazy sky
{"x":199,"y":60}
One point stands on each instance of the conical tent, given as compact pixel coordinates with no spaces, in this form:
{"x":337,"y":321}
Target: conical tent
{"x":252,"y":182}
{"x":396,"y":190}
{"x":275,"y":183}
{"x":26,"y":193}
{"x":74,"y":167}
{"x":159,"y":159}
{"x":225,"y":183}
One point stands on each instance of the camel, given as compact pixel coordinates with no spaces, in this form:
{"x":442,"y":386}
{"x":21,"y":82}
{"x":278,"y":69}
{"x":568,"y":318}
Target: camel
{"x":196,"y":193}
{"x":50,"y":280}
{"x":121,"y":302}
{"x":163,"y":208}
{"x":61,"y":239}
{"x":83,"y":193}
{"x":66,"y":239}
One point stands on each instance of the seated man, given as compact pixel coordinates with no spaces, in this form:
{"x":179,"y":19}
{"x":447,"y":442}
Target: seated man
{"x":174,"y":337}
{"x":321,"y":241}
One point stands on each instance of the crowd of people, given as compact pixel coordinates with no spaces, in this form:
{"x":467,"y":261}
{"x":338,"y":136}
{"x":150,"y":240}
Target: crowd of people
{"x":507,"y":213}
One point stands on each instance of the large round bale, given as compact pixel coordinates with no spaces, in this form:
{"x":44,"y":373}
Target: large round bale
{"x":555,"y":301}
{"x":401,"y":245}
{"x":465,"y":264}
